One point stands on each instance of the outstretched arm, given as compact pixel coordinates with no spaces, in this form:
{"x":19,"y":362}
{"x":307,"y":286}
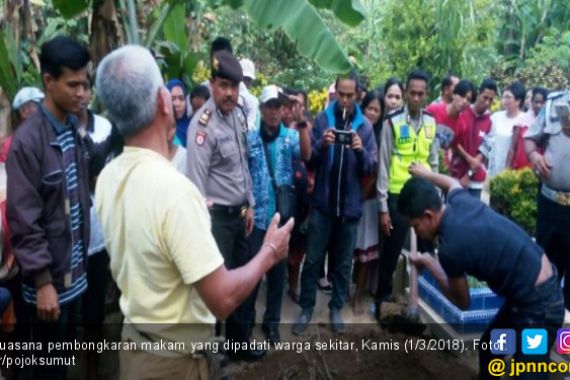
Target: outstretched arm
{"x":442,"y":181}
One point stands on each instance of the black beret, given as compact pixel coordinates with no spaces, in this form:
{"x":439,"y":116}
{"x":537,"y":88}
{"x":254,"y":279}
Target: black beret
{"x":225,"y":65}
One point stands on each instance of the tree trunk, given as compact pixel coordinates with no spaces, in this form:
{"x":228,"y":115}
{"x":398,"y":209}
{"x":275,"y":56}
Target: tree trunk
{"x":106,"y":32}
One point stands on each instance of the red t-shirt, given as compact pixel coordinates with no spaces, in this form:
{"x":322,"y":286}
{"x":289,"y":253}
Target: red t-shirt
{"x":470,"y":136}
{"x":439,"y":112}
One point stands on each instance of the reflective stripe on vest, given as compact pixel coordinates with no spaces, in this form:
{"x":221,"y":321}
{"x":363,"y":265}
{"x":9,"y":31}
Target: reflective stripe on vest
{"x":409,"y":148}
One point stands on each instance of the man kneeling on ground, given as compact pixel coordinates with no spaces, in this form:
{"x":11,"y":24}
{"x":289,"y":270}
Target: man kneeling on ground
{"x":474,"y":240}
{"x":157,"y":229}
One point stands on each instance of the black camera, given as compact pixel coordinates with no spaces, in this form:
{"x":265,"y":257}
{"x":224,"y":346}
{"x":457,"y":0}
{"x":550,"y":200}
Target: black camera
{"x":342,"y":137}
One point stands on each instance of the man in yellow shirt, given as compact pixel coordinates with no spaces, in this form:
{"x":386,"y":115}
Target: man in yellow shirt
{"x":169,"y":270}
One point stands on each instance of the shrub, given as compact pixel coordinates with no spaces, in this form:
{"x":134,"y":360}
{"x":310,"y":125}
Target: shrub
{"x":513,"y":194}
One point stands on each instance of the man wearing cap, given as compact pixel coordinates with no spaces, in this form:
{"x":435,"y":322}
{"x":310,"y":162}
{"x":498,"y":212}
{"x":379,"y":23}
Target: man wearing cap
{"x":217,"y":165}
{"x":25,"y":104}
{"x":547,"y":143}
{"x":272,"y":149}
{"x":246,"y":99}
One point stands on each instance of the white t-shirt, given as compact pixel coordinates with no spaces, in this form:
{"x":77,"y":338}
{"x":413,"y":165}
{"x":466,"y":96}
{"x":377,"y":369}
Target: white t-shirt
{"x":501,"y":135}
{"x":179,"y":160}
{"x":101,"y":130}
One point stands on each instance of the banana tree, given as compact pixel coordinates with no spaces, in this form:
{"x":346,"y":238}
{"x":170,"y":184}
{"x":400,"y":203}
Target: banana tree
{"x":299,"y":19}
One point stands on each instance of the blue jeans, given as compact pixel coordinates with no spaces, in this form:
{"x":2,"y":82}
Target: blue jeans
{"x":540,"y":307}
{"x":322,"y":228}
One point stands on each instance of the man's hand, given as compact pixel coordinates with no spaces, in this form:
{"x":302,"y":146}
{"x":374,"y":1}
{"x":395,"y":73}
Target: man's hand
{"x":386,"y":223}
{"x":418,"y":170}
{"x":298,"y":108}
{"x":420,"y":260}
{"x":249,"y":221}
{"x":356,"y":142}
{"x":279,"y":237}
{"x":328,"y":138}
{"x":540,"y":166}
{"x":47,"y":303}
{"x":473,"y":163}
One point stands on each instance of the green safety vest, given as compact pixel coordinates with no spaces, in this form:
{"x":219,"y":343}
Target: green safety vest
{"x":409,"y":147}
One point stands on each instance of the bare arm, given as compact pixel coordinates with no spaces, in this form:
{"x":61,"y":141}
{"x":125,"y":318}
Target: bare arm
{"x":455,"y":289}
{"x":442,"y":181}
{"x":305,"y":137}
{"x":224,"y":290}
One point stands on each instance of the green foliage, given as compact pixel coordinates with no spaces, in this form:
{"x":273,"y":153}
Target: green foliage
{"x":71,"y":8}
{"x":439,"y":36}
{"x":301,"y":22}
{"x":350,"y":12}
{"x":513,"y":194}
{"x":273,"y":53}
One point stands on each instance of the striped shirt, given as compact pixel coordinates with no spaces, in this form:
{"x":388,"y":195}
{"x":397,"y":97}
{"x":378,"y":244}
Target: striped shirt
{"x":78,"y":284}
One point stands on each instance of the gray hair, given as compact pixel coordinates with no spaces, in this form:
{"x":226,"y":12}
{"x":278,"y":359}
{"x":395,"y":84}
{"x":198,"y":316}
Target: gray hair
{"x":128,"y":82}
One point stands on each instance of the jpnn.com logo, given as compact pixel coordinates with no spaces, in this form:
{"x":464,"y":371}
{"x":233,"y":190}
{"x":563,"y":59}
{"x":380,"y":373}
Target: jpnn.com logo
{"x":503,"y":341}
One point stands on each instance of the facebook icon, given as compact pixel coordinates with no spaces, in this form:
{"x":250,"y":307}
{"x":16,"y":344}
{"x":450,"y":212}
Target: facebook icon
{"x":503,"y":341}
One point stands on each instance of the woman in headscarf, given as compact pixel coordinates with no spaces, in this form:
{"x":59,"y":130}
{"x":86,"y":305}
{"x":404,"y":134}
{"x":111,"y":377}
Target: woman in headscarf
{"x":179,"y":93}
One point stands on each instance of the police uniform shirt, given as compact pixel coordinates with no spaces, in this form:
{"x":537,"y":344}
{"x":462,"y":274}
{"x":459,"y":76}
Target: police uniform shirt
{"x":217,"y":156}
{"x":386,"y":151}
{"x":547,"y":132}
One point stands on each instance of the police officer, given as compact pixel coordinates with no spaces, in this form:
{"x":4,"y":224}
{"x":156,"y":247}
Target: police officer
{"x":408,"y":136}
{"x":547,"y":143}
{"x":217,"y":164}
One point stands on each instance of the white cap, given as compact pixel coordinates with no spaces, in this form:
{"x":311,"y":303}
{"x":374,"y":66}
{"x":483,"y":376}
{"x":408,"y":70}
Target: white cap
{"x":271,"y":92}
{"x":248,"y":68}
{"x":27,"y":94}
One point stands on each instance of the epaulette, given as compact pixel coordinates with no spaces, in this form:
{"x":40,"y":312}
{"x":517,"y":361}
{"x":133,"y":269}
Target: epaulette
{"x":205,"y":117}
{"x":395,"y":112}
{"x":556,"y":94}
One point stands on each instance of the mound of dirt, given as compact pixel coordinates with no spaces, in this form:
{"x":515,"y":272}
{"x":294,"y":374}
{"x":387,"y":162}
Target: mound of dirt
{"x":365,"y":353}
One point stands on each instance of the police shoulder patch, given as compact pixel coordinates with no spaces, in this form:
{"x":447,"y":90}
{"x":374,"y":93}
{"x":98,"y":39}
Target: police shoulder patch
{"x":201,"y":138}
{"x":205,"y":117}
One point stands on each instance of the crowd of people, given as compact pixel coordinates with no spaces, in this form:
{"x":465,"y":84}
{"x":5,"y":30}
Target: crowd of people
{"x":192,"y":196}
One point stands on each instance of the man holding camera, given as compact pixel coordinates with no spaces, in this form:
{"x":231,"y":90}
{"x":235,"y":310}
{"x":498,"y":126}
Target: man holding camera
{"x":343,"y":151}
{"x":547,"y":143}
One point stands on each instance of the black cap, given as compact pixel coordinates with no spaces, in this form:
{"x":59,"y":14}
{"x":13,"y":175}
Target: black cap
{"x":225,"y":65}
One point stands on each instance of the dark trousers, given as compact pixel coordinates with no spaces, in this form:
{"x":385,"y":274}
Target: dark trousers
{"x":275,"y":283}
{"x":93,"y":300}
{"x":540,"y":307}
{"x":393,"y":245}
{"x":229,"y":233}
{"x":342,"y":233}
{"x":63,"y":330}
{"x":552,"y":234}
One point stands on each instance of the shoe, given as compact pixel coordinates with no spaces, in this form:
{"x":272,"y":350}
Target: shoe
{"x":301,"y":323}
{"x":294,"y":296}
{"x":337,"y":324}
{"x":248,"y":355}
{"x":271,"y":333}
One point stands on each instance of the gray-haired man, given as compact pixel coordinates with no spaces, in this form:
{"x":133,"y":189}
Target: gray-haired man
{"x":164,"y":258}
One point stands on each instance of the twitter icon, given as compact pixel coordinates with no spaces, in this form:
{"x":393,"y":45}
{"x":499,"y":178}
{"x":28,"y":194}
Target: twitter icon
{"x":534,"y":342}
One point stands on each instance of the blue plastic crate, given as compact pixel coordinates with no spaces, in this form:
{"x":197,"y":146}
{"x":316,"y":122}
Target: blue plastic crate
{"x":482,"y":309}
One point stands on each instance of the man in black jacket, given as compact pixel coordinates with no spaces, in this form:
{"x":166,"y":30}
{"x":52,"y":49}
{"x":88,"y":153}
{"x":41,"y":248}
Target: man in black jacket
{"x":48,"y":199}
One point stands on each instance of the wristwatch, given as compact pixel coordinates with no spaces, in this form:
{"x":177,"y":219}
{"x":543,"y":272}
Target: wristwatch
{"x":470,"y":173}
{"x":302,"y":124}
